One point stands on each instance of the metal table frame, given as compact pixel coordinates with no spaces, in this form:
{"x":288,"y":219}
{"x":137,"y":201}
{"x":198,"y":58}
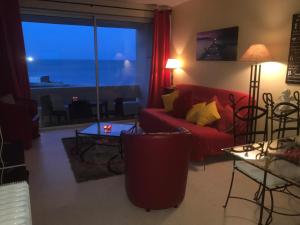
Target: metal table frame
{"x":102,"y":138}
{"x":262,"y":149}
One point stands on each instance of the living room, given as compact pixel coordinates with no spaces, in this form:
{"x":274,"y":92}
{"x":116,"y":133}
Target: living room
{"x":60,"y":195}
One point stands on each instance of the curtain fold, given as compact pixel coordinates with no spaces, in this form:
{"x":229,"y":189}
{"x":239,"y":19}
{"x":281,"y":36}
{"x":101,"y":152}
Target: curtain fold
{"x":13,"y":68}
{"x":159,"y":76}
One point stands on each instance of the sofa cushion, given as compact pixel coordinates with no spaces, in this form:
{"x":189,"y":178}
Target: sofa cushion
{"x":182,"y":104}
{"x":208,"y":114}
{"x":192,"y":114}
{"x":226,"y":122}
{"x":219,"y":105}
{"x":168,"y":100}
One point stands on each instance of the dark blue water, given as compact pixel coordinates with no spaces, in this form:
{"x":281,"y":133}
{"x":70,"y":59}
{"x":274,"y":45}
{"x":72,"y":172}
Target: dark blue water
{"x":82,"y":72}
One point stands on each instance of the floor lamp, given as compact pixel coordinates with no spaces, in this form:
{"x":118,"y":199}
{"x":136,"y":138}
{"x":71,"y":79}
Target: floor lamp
{"x":256,"y":54}
{"x":172,"y":64}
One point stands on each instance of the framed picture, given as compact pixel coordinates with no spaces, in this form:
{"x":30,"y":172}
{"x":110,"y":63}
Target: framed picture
{"x":293,"y":68}
{"x":217,"y":45}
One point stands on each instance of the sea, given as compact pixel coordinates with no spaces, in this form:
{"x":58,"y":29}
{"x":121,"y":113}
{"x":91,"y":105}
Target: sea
{"x":82,"y":72}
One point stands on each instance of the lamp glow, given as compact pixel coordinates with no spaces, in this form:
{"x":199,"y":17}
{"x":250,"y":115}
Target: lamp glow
{"x":173,"y":64}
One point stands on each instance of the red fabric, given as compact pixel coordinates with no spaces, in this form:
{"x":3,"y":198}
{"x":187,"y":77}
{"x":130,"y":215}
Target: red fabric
{"x":218,"y":104}
{"x":19,"y":122}
{"x":156,"y":168}
{"x":182,"y":104}
{"x":226,"y":122}
{"x":159,"y":76}
{"x":207,"y":141}
{"x":13,"y":69}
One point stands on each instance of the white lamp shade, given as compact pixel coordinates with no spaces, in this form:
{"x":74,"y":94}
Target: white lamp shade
{"x":173,"y":64}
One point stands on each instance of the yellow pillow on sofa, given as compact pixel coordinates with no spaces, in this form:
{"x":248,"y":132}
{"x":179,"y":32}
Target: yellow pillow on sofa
{"x":192,"y":114}
{"x":168,"y":100}
{"x":208,"y":114}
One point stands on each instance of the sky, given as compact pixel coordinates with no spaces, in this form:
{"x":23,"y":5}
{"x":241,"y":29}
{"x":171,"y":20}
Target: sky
{"x":73,"y":42}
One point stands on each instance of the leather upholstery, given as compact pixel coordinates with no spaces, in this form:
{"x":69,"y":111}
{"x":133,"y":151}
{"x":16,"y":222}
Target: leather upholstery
{"x":156,"y":167}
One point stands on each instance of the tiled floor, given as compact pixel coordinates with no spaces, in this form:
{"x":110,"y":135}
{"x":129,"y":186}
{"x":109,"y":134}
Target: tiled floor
{"x":56,"y":198}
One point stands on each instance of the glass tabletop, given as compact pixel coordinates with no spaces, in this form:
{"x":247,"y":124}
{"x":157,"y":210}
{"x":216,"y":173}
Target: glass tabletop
{"x":279,"y":157}
{"x":97,"y":129}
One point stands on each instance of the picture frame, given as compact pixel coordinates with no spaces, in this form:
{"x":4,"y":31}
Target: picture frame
{"x":217,"y":45}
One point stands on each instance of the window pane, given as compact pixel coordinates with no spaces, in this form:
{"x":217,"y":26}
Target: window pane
{"x":59,"y":55}
{"x":117,"y":56}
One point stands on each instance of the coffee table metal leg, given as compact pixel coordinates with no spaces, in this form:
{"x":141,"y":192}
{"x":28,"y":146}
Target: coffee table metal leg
{"x":85,"y":151}
{"x":76,"y":141}
{"x":120,"y":154}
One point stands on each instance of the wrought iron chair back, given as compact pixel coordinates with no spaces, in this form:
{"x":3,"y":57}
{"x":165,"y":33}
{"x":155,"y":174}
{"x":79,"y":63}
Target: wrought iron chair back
{"x":245,"y":122}
{"x":284,"y":116}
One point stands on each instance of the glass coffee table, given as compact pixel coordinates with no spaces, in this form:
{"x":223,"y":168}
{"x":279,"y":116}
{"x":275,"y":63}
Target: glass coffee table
{"x":96,"y":134}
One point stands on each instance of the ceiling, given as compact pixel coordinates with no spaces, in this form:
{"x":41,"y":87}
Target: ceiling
{"x":157,"y":2}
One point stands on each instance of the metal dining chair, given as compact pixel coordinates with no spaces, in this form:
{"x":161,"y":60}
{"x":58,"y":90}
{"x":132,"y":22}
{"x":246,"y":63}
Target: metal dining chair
{"x":246,"y":132}
{"x":284,"y":116}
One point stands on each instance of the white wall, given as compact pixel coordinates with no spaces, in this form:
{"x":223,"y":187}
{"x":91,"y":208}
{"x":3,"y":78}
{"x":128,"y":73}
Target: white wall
{"x":259,"y":21}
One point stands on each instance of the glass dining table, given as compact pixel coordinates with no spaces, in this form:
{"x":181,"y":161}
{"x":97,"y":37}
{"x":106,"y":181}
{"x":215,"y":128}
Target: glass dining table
{"x":278,"y":158}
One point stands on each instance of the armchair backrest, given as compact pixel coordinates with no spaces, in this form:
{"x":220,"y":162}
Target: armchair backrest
{"x":156,"y":167}
{"x":46,"y":105}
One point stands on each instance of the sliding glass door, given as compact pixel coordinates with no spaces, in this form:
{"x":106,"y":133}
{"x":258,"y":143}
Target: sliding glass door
{"x":117,"y":56}
{"x":75,"y":61}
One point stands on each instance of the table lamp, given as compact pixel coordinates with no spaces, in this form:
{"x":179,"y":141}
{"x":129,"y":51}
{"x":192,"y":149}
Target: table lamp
{"x":172,"y":64}
{"x":256,"y":53}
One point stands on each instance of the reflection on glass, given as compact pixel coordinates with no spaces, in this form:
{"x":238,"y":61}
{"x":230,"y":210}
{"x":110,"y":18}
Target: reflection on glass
{"x":117,"y":56}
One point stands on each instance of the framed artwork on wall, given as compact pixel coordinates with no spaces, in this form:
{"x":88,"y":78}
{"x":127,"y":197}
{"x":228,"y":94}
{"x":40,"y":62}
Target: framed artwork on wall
{"x":293,"y":68}
{"x":217,"y":45}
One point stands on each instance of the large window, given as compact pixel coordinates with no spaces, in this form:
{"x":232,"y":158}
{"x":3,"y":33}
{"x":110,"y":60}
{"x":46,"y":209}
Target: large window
{"x":60,"y":55}
{"x":117,"y":56}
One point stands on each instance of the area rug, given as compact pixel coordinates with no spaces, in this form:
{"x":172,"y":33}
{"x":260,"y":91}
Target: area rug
{"x":95,"y":161}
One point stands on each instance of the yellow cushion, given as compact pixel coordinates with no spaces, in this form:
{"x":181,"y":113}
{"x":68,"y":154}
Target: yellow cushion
{"x":168,"y":100}
{"x":192,"y":114}
{"x":208,"y":114}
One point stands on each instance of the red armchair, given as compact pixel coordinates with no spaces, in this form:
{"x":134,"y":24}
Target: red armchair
{"x":19,"y":121}
{"x":156,"y":167}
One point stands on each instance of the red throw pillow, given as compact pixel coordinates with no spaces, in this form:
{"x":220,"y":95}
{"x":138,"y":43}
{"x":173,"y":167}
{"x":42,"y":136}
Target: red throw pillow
{"x":225,"y":124}
{"x":218,"y":103}
{"x":182,"y":104}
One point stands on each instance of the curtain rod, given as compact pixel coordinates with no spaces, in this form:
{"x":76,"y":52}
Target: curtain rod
{"x":93,"y":5}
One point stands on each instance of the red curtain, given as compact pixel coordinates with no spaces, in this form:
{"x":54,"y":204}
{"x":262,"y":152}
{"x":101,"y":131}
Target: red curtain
{"x":13,"y":69}
{"x":159,"y":77}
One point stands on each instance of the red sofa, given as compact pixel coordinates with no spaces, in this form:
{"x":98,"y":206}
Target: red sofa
{"x":19,"y":122}
{"x":207,"y":141}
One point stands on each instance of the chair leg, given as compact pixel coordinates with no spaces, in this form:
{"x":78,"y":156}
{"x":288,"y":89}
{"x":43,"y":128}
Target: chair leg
{"x":270,"y":218}
{"x":230,"y":188}
{"x":257,"y":194}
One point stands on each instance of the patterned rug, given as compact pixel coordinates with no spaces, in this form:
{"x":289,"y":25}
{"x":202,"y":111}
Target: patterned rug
{"x":95,"y":164}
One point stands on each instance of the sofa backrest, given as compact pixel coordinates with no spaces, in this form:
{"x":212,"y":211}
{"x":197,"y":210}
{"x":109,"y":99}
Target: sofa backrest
{"x":204,"y":94}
